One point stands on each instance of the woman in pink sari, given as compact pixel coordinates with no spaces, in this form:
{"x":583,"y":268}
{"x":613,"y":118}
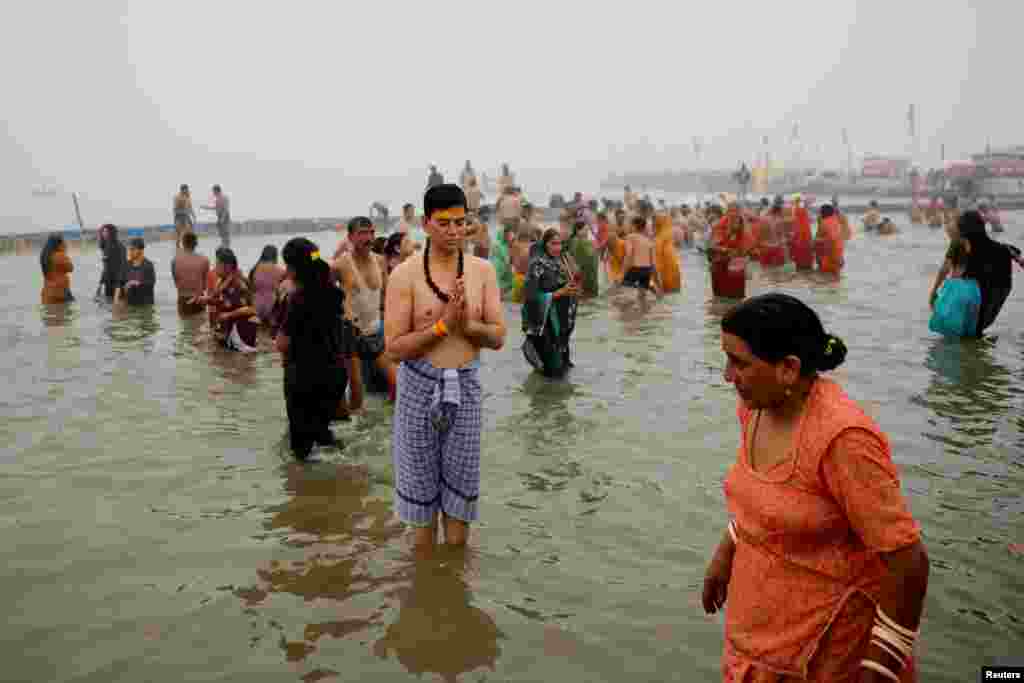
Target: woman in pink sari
{"x":822,"y":563}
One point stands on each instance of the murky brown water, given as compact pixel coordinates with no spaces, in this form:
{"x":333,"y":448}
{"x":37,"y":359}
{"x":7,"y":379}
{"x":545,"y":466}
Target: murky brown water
{"x":155,"y":528}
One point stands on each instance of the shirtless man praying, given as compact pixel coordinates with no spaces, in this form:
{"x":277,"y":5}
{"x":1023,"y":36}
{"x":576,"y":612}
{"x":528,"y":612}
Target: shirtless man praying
{"x":442,"y":307}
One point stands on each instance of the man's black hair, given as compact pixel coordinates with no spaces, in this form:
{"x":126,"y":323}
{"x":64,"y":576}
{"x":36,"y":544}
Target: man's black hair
{"x":441,"y":197}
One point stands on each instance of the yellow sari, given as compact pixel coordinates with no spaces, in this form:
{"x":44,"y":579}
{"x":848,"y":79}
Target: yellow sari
{"x":616,"y":259}
{"x":666,"y":258}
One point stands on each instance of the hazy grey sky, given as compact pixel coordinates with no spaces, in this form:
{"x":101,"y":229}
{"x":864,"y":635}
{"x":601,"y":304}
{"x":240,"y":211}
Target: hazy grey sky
{"x":309,"y":108}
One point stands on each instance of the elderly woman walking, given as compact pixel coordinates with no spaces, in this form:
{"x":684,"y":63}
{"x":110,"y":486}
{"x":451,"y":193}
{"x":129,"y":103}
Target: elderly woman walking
{"x":821,"y":562}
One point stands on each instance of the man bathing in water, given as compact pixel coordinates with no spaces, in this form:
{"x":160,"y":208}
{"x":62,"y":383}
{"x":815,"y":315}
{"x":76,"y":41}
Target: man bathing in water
{"x":364,"y":278}
{"x":639,"y":264}
{"x":442,"y":307}
{"x":190,"y":272}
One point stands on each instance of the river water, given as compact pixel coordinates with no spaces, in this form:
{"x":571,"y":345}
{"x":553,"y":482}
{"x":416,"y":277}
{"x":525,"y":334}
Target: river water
{"x":155,"y":527}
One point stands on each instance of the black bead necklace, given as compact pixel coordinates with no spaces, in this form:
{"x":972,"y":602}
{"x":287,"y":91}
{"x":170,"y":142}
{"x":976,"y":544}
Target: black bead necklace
{"x":430,"y":281}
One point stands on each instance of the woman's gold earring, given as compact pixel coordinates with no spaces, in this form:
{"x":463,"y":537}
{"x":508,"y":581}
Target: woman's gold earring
{"x":789,"y":392}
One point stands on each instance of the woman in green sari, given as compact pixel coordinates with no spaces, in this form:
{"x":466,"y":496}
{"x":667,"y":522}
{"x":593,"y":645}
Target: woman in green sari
{"x":549,"y":305}
{"x":499,"y":259}
{"x":586,"y":257}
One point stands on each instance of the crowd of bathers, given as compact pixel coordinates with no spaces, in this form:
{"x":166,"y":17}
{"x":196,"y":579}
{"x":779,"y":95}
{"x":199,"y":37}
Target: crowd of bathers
{"x":845,"y":602}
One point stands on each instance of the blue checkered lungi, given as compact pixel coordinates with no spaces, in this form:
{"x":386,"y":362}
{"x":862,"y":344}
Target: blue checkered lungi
{"x":436,"y":442}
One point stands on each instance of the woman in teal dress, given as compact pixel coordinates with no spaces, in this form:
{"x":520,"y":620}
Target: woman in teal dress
{"x":549,"y":305}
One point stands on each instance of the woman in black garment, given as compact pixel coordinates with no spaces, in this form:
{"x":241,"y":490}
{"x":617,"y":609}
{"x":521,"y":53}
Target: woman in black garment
{"x":313,"y":341}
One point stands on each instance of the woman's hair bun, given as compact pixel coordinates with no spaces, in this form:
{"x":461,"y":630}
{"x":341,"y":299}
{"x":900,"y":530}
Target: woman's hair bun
{"x":833,"y":353}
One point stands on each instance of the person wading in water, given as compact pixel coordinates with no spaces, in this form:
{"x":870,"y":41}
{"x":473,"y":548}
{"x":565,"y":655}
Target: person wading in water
{"x":184,"y":213}
{"x":57,"y":267}
{"x":821,"y":562}
{"x":139,"y":276}
{"x":442,"y":307}
{"x":115,"y":263}
{"x":553,"y":285}
{"x":312,"y":342}
{"x":364,"y":278}
{"x":190,"y":272}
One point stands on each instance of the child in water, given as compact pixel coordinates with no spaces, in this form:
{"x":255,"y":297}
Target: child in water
{"x":955,"y":312}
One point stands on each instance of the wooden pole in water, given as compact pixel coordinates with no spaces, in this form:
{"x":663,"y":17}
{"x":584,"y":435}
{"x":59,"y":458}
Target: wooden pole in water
{"x":78,"y":213}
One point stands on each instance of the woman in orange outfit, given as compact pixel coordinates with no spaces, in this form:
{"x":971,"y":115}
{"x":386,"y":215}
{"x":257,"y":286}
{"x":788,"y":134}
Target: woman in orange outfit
{"x":822,"y":563}
{"x":800,"y":247}
{"x":666,"y":258}
{"x":57,"y":267}
{"x":830,"y":245}
{"x":615,"y":253}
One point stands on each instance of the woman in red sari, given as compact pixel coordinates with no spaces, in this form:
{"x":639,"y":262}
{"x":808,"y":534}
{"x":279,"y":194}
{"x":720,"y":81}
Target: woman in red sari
{"x":822,"y":563}
{"x":800,"y":248}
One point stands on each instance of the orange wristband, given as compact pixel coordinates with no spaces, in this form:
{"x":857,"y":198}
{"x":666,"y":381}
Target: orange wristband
{"x":440,"y":329}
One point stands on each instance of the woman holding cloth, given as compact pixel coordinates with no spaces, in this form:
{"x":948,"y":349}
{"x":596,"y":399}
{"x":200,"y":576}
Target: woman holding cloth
{"x":822,"y":563}
{"x":989,"y":263}
{"x":553,"y":284}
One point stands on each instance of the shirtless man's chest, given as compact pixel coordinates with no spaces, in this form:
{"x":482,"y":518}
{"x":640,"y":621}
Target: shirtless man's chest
{"x":641,"y":251}
{"x":427,"y":307}
{"x":369,"y":271}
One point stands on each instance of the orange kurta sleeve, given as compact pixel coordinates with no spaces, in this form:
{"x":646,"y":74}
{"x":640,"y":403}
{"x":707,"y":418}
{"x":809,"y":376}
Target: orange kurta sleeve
{"x":862,"y":477}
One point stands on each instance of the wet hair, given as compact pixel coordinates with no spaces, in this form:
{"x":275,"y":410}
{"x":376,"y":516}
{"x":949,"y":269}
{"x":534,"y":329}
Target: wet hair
{"x":226,"y":256}
{"x":986,"y":255}
{"x":393,"y":247}
{"x":777,"y":325}
{"x":359,"y":222}
{"x":971,"y":223}
{"x":189,"y":240}
{"x":54,"y":242}
{"x":268,"y":255}
{"x":639,"y":222}
{"x":407,"y":206}
{"x":827,"y":211}
{"x":319,"y":303}
{"x":441,"y":197}
{"x":379,"y":244}
{"x":111,"y":237}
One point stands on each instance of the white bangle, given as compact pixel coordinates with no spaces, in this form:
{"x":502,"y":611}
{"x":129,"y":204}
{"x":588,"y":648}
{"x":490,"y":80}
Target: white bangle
{"x":889,"y":650}
{"x":732,"y":531}
{"x":891,"y":623}
{"x":875,"y":666}
{"x":904,"y":645}
{"x":890,"y":637}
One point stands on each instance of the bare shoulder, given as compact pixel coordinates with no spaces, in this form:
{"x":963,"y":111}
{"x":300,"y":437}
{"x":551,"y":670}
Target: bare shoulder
{"x":479,"y":266}
{"x":342,"y":262}
{"x":405,"y":272}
